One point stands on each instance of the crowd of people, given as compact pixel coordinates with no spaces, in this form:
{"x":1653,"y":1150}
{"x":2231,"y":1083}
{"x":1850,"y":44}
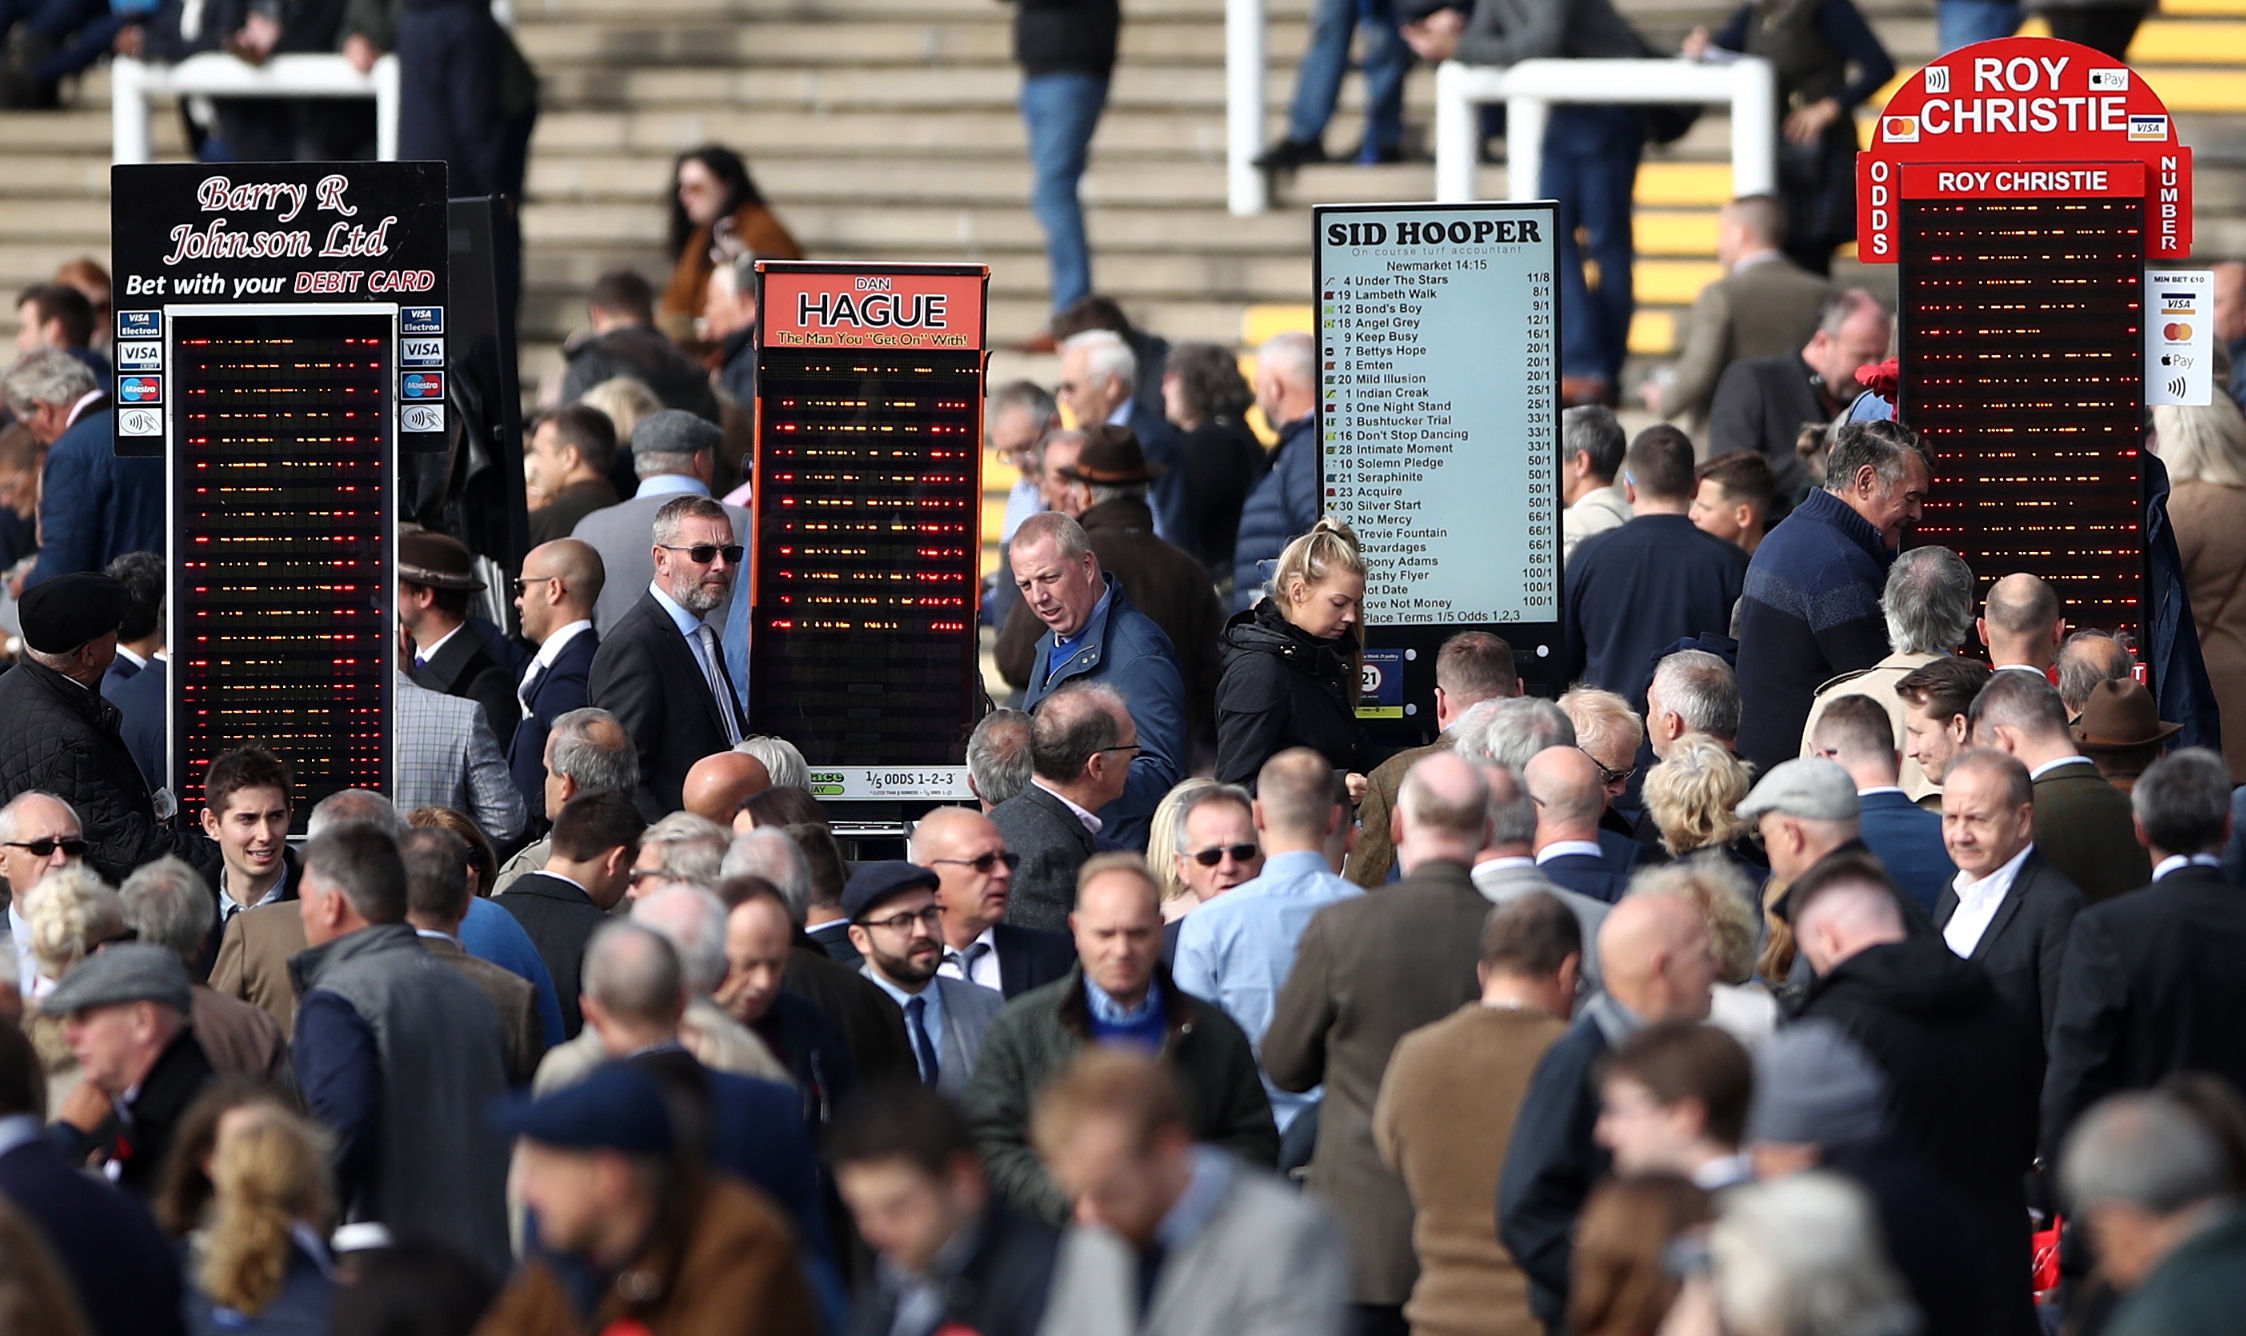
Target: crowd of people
{"x":1846,"y":950}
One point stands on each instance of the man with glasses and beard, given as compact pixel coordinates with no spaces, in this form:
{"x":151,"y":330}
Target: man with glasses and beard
{"x":659,"y":670}
{"x":897,"y":928}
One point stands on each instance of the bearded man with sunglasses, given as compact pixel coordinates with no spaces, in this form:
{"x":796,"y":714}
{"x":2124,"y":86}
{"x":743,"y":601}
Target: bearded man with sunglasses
{"x":660,"y":670}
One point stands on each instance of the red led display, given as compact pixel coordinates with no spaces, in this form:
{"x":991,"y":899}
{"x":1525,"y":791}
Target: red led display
{"x":282,"y":608}
{"x":868,"y":506}
{"x":2023,"y":357}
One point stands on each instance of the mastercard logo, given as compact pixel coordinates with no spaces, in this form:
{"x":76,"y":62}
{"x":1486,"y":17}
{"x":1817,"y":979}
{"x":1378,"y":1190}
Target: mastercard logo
{"x":1900,"y":129}
{"x":2177,"y":331}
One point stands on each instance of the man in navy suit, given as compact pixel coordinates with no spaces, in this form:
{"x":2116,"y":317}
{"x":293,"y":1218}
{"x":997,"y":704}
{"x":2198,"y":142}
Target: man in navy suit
{"x":117,"y":1260}
{"x":93,"y":506}
{"x":1856,"y":731}
{"x":1570,"y":795}
{"x":560,"y":583}
{"x":141,"y":634}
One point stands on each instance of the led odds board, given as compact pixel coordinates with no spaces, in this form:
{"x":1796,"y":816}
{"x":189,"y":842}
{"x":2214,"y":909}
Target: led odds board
{"x":868,"y":523}
{"x":2020,"y":187}
{"x":1438,"y":418}
{"x":280,"y":338}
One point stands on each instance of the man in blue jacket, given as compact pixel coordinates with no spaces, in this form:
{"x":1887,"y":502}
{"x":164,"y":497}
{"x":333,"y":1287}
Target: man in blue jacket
{"x":1811,"y":610}
{"x":1285,"y":502}
{"x":1906,"y":838}
{"x":93,"y":506}
{"x":1094,"y":633}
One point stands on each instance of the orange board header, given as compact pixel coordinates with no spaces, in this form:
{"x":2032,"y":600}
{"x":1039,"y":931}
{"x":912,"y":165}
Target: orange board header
{"x":873,"y":307}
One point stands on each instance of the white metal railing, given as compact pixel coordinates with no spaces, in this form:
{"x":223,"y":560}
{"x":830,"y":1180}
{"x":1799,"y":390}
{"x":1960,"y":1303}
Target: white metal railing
{"x":1246,"y":190}
{"x":1530,"y":88}
{"x":132,"y":83}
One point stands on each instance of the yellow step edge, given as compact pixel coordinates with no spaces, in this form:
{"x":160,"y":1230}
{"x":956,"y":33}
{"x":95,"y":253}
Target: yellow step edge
{"x":1653,"y":333}
{"x":1683,"y":185}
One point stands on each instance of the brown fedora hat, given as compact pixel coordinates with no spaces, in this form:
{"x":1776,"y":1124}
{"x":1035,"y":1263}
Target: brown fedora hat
{"x":2121,"y":713}
{"x":1111,"y":458}
{"x":436,"y":560}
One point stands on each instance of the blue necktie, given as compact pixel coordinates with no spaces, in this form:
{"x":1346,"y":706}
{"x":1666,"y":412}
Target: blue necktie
{"x":916,"y":1020}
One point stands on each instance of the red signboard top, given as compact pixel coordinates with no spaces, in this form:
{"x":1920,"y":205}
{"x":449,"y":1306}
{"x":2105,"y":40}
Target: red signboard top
{"x":2026,"y":100}
{"x":900,"y":306}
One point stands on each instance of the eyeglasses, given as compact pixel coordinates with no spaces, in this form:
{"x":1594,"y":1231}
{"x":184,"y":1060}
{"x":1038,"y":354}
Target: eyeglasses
{"x":46,"y":848}
{"x":930,"y":917}
{"x":1131,"y":747}
{"x":640,"y":874}
{"x":524,"y":582}
{"x":702,"y":554}
{"x":1607,"y":776}
{"x":1210,"y":857}
{"x":986,"y":864}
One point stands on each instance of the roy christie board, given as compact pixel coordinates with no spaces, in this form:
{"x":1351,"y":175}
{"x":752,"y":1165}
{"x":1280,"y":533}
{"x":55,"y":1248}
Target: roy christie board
{"x":1438,"y":342}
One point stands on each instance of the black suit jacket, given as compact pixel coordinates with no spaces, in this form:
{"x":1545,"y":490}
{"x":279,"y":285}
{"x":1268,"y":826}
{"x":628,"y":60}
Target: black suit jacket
{"x":179,"y":1075}
{"x":126,"y":1277}
{"x":560,"y":919}
{"x":565,"y":686}
{"x":2152,"y":985}
{"x":872,"y":1024}
{"x":1761,"y":404}
{"x":998,"y":1291}
{"x":834,"y":939}
{"x":1585,"y":875}
{"x":1029,"y":958}
{"x":1053,"y":844}
{"x":2027,"y":940}
{"x":464,"y":668}
{"x":646,"y":675}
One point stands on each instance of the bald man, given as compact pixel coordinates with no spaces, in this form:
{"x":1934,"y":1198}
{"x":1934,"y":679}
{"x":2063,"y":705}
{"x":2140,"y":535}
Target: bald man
{"x":719,"y":783}
{"x":1962,"y":1067}
{"x":975,"y":880}
{"x":561,"y":581}
{"x":2021,"y":624}
{"x":1367,"y":971}
{"x":1570,"y":796}
{"x":1655,"y":956}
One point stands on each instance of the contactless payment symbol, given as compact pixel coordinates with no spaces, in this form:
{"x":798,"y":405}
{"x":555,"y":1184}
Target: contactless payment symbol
{"x":140,"y":422}
{"x":421,"y":417}
{"x":423,"y":384}
{"x":421,"y":320}
{"x":1937,"y":78}
{"x":140,"y":389}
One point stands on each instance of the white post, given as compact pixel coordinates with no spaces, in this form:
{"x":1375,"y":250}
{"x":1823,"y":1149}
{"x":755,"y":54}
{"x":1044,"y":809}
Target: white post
{"x":1458,"y":134}
{"x":1754,"y":129}
{"x":128,"y":111}
{"x":1247,"y":192}
{"x":386,"y":99}
{"x":1525,"y":119}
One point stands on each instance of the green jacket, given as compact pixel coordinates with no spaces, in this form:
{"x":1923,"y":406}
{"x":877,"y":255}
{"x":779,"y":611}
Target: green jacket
{"x":1039,"y":1033}
{"x":2197,"y":1290}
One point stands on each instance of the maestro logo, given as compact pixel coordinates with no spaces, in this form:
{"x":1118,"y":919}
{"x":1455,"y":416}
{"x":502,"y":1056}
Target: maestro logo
{"x":140,"y":389}
{"x":423,"y":384}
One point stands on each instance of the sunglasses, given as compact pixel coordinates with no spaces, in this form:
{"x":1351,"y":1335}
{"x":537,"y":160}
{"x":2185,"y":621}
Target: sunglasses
{"x":702,"y":554}
{"x":986,"y":863}
{"x":524,"y":582}
{"x":46,"y":848}
{"x":1607,"y":776}
{"x":1210,"y":857}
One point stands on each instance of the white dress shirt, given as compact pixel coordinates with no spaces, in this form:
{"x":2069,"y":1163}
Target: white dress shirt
{"x":1977,"y":903}
{"x":1562,"y":848}
{"x":423,"y":653}
{"x":985,"y":969}
{"x":2178,"y":862}
{"x":2048,"y":766}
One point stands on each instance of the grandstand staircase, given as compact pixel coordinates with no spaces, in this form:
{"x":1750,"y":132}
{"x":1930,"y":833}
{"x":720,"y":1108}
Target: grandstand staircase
{"x":887,"y":129}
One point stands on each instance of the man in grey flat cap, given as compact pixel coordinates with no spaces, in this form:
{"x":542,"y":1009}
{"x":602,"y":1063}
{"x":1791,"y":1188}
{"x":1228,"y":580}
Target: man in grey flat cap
{"x":675,"y":454}
{"x":125,"y":1015}
{"x":58,"y":735}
